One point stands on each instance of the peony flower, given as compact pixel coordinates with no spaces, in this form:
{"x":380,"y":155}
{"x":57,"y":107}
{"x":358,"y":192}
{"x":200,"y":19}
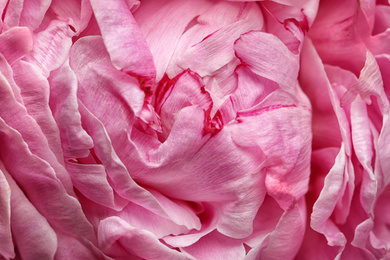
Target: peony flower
{"x":178,"y":129}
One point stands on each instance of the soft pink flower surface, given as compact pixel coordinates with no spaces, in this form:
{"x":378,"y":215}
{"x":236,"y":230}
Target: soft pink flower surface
{"x":194,"y":129}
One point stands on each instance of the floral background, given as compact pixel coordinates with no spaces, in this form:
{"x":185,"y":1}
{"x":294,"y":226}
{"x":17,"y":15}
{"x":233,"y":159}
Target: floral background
{"x":194,"y":129}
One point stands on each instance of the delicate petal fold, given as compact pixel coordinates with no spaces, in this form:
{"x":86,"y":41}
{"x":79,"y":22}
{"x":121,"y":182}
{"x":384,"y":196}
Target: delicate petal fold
{"x":114,"y":232}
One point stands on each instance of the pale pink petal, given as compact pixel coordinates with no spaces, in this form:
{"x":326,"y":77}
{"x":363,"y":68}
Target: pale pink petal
{"x":286,"y":150}
{"x":33,"y":236}
{"x":15,"y":44}
{"x":163,"y":32}
{"x":63,"y":103}
{"x":214,"y":246}
{"x":216,"y":50}
{"x":76,"y":12}
{"x":33,"y":13}
{"x":251,"y":89}
{"x":120,"y":178}
{"x":369,"y":83}
{"x":31,"y":132}
{"x":143,"y":219}
{"x":91,"y":181}
{"x":186,"y":89}
{"x":91,"y":62}
{"x":290,"y":23}
{"x":124,"y":41}
{"x":265,"y":221}
{"x":363,"y":146}
{"x":51,"y":47}
{"x":35,"y":89}
{"x":39,"y":183}
{"x":12,"y":14}
{"x":209,"y":217}
{"x":326,"y":203}
{"x":208,"y":23}
{"x":7,"y":246}
{"x":285,"y":240}
{"x":114,"y":232}
{"x":277,"y":63}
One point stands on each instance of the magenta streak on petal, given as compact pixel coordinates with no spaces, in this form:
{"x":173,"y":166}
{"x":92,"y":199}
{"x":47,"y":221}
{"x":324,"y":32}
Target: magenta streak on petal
{"x":261,"y":111}
{"x":303,"y":25}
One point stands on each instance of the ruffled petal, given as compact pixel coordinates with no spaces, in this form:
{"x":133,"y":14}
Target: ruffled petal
{"x":63,"y":103}
{"x":114,"y":232}
{"x":51,"y":47}
{"x":31,"y":242}
{"x":124,"y":41}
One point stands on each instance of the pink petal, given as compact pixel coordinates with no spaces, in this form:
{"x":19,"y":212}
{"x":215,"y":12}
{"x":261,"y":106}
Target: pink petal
{"x":30,"y":241}
{"x":265,"y":221}
{"x":363,"y":146}
{"x":76,"y":12}
{"x":326,"y":203}
{"x":7,"y":245}
{"x":113,"y":231}
{"x":80,"y":249}
{"x":91,"y":181}
{"x":277,"y":64}
{"x":186,"y":89}
{"x":8,"y":74}
{"x":12,"y":14}
{"x":33,"y":13}
{"x":91,"y":63}
{"x":35,"y":89}
{"x":251,"y":89}
{"x":31,"y":132}
{"x":335,"y":36}
{"x":285,"y":240}
{"x":209,"y":217}
{"x":51,"y":47}
{"x":156,"y":165}
{"x":75,"y":141}
{"x":216,"y":50}
{"x":369,"y":83}
{"x":15,"y":44}
{"x":39,"y":183}
{"x":382,"y":21}
{"x":120,"y":178}
{"x":124,"y":41}
{"x":163,"y":32}
{"x":287,"y":150}
{"x":208,"y":23}
{"x":214,"y":246}
{"x":326,"y":130}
